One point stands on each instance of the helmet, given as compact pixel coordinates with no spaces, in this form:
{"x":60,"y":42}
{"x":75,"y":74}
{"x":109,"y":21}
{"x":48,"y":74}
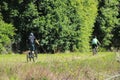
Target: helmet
{"x":31,"y":34}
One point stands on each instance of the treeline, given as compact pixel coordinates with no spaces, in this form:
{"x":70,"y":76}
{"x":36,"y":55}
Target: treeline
{"x":59,"y":25}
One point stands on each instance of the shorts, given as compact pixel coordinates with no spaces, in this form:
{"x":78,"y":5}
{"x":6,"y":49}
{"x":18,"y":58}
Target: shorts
{"x":32,"y":47}
{"x":94,"y":46}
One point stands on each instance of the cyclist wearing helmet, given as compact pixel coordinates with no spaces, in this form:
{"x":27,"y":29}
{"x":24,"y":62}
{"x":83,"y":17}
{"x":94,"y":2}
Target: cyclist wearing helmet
{"x":95,"y":43}
{"x":32,"y":40}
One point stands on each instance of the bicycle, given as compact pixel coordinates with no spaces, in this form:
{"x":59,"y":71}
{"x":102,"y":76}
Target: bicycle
{"x":32,"y":51}
{"x":94,"y":49}
{"x":31,"y":56}
{"x":95,"y":44}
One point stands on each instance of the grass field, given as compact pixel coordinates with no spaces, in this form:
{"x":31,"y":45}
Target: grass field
{"x":60,"y":66}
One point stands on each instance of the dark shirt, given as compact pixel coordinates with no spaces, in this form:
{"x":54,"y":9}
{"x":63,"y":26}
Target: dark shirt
{"x":32,"y":39}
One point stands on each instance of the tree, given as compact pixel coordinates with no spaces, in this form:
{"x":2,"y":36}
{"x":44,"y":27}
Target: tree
{"x":59,"y":25}
{"x":87,"y":11}
{"x":106,"y":21}
{"x":6,"y":34}
{"x":116,"y":31}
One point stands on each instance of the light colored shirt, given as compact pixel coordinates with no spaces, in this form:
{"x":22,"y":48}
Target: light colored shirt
{"x":94,"y":41}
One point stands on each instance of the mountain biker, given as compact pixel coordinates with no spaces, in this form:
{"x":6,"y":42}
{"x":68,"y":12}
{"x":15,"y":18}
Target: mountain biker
{"x":32,"y":40}
{"x":95,"y":43}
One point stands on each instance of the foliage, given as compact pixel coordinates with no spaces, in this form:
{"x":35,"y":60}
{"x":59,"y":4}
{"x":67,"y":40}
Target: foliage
{"x":62,"y":25}
{"x":87,"y":12}
{"x":6,"y":34}
{"x":59,"y":25}
{"x":106,"y":21}
{"x":116,"y":31}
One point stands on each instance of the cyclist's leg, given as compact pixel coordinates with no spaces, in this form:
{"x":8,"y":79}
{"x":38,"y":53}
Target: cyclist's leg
{"x":34,"y":49}
{"x":27,"y":56}
{"x":36,"y":54}
{"x":93,"y":49}
{"x":31,"y":56}
{"x":96,"y":47}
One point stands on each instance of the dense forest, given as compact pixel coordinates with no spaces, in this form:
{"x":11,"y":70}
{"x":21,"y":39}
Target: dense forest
{"x":59,"y":25}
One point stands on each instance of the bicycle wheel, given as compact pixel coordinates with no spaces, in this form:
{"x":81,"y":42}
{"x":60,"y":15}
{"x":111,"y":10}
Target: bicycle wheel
{"x":30,"y":56}
{"x":36,"y":54}
{"x":94,"y":51}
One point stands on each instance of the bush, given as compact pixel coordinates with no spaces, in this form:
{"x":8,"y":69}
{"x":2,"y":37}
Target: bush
{"x":6,"y":34}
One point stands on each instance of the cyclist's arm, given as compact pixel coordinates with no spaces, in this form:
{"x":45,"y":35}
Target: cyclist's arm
{"x":99,"y":43}
{"x":37,"y":41}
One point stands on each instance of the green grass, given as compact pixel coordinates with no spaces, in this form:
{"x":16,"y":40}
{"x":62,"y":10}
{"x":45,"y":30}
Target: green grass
{"x":71,"y":66}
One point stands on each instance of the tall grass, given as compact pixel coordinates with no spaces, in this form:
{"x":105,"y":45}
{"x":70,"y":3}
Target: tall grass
{"x":64,"y":66}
